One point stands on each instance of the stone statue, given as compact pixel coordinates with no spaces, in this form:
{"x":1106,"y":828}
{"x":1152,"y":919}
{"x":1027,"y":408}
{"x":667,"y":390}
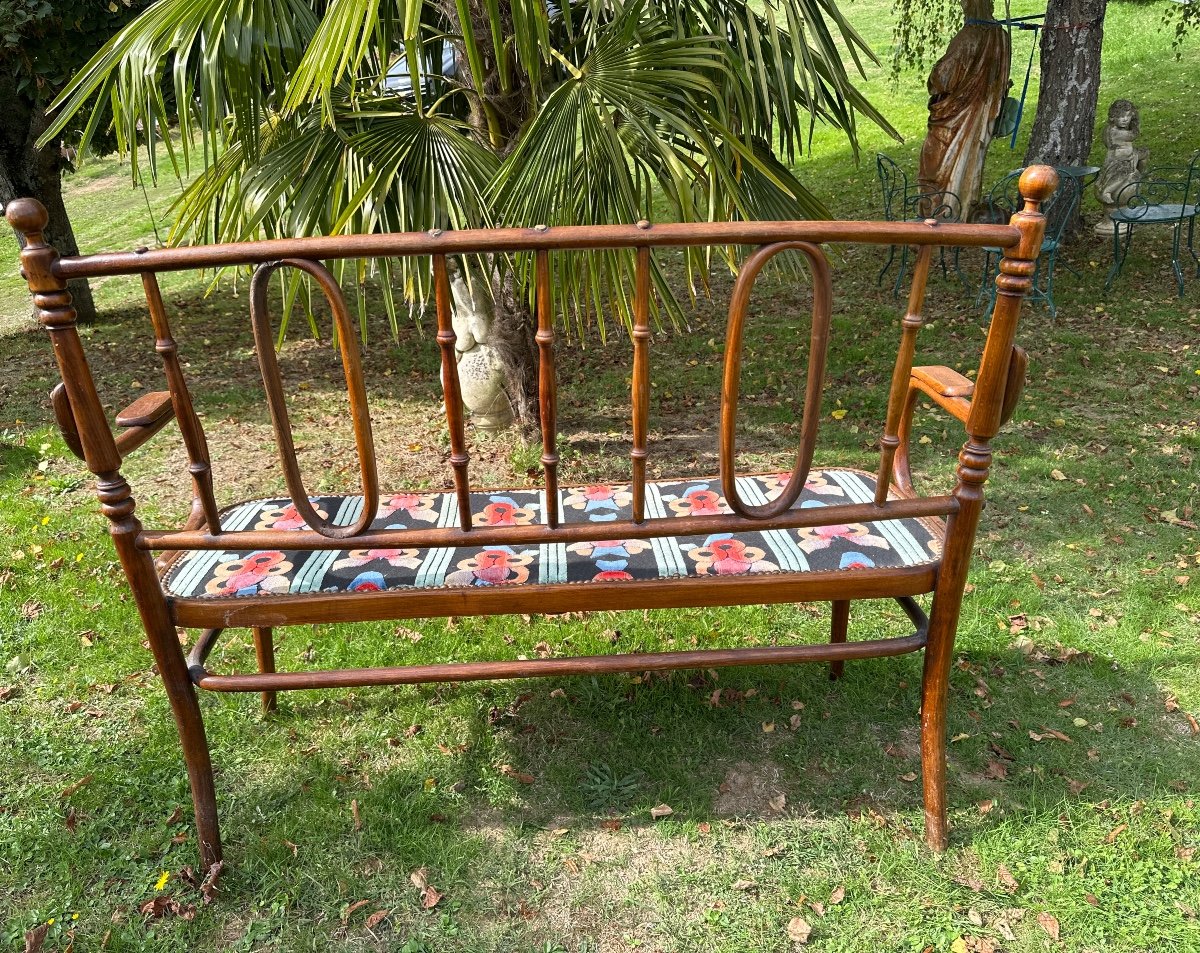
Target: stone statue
{"x":966,"y":94}
{"x":480,"y":369}
{"x":1124,"y":163}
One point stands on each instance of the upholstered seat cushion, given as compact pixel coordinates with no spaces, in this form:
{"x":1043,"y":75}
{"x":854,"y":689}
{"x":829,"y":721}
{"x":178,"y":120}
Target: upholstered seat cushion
{"x":888,"y":543}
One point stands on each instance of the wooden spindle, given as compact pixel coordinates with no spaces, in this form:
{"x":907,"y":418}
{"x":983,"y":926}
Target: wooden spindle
{"x":547,"y":385}
{"x":459,"y":458}
{"x":204,"y":503}
{"x":641,"y":379}
{"x":897,"y":398}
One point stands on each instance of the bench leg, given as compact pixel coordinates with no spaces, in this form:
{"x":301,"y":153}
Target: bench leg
{"x":170,"y":661}
{"x":837,"y":633}
{"x":184,"y":704}
{"x":264,"y":648}
{"x":934,"y":689}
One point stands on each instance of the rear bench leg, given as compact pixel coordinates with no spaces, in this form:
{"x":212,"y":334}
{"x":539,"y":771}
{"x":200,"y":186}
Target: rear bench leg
{"x":837,"y":633}
{"x":264,"y":648}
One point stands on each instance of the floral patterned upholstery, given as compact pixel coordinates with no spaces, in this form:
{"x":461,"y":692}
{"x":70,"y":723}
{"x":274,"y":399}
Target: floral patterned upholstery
{"x":889,"y":543}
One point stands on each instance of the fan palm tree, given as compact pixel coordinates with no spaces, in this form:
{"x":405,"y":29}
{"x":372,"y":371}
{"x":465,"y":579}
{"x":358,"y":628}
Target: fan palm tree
{"x":342,"y":116}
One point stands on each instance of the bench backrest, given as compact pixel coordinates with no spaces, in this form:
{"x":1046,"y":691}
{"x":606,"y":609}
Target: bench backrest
{"x":84,"y":420}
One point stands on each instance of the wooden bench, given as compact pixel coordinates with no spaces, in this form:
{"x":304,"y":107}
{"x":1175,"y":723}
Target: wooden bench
{"x":830,"y":535}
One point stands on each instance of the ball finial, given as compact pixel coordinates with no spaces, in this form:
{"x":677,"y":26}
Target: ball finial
{"x":1038,"y":182}
{"x":27,"y":216}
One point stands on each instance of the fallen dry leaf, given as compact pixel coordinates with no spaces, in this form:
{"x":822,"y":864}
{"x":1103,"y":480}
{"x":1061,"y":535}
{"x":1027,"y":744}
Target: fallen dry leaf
{"x":510,"y":772}
{"x":996,"y":771}
{"x":354,"y":813}
{"x":1007,"y":880}
{"x":160,"y":906}
{"x":661,"y":811}
{"x":208,"y":889}
{"x":798,"y":930}
{"x":838,"y":895}
{"x":375,"y":919}
{"x":1049,"y":923}
{"x":349,"y":911}
{"x":778,"y":803}
{"x":82,"y":782}
{"x":1115,"y":833}
{"x":429,"y":894}
{"x":743,"y":884}
{"x":35,"y":938}
{"x":910,"y":777}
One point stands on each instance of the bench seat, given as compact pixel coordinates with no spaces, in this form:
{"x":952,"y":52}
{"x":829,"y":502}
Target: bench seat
{"x":226,"y":576}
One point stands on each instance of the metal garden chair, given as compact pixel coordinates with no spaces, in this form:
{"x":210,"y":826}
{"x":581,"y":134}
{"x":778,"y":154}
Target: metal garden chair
{"x":900,"y":204}
{"x":1059,"y":209}
{"x":1168,"y":195}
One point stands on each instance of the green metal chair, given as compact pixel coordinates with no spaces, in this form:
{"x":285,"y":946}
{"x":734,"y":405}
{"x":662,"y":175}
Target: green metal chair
{"x":1003,"y":201}
{"x":1167,"y":195}
{"x":901,"y":204}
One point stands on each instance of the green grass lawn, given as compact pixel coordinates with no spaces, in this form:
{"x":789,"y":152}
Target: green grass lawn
{"x":1083,"y":620}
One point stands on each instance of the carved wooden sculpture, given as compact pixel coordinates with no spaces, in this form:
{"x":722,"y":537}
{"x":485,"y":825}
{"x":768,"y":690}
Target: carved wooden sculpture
{"x":699,"y":541}
{"x":966,"y":92}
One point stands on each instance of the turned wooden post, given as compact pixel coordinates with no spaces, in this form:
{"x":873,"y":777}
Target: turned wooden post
{"x":52,"y":302}
{"x":1014,"y":282}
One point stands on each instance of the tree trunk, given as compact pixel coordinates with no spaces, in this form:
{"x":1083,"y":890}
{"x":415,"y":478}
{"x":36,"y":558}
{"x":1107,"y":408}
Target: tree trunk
{"x":29,"y":172}
{"x":1070,"y":83}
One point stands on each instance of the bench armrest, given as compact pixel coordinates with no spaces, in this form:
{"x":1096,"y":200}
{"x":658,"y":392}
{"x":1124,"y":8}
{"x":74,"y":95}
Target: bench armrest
{"x":952,"y":392}
{"x":947,"y":388}
{"x":140,"y":421}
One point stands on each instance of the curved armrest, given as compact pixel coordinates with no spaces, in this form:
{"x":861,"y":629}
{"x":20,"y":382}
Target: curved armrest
{"x":952,"y":392}
{"x":947,"y":388}
{"x":140,"y":421}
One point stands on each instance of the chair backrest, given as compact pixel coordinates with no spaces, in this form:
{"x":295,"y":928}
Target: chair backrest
{"x":1060,"y":208}
{"x":894,"y":185}
{"x":943,"y":205}
{"x":1165,"y":192}
{"x":80,"y":409}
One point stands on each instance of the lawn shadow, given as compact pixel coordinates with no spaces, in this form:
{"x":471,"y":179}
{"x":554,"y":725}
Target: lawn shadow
{"x":596,"y":754}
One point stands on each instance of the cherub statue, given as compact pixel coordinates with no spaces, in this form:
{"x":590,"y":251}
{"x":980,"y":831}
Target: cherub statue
{"x":480,"y":369}
{"x":1124,"y":163}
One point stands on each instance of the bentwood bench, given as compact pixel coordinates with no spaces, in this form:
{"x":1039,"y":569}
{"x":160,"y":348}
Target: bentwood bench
{"x":831,"y":535}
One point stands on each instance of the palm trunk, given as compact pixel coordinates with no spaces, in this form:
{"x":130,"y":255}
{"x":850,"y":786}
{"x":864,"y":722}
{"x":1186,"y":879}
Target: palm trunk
{"x":29,"y":172}
{"x":497,"y":118}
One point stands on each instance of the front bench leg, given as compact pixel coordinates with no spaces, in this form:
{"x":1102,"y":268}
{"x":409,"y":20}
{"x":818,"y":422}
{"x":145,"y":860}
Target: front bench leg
{"x":117,"y":504}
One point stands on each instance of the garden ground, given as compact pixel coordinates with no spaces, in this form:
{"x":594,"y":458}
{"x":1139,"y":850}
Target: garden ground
{"x":1075,"y":760}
